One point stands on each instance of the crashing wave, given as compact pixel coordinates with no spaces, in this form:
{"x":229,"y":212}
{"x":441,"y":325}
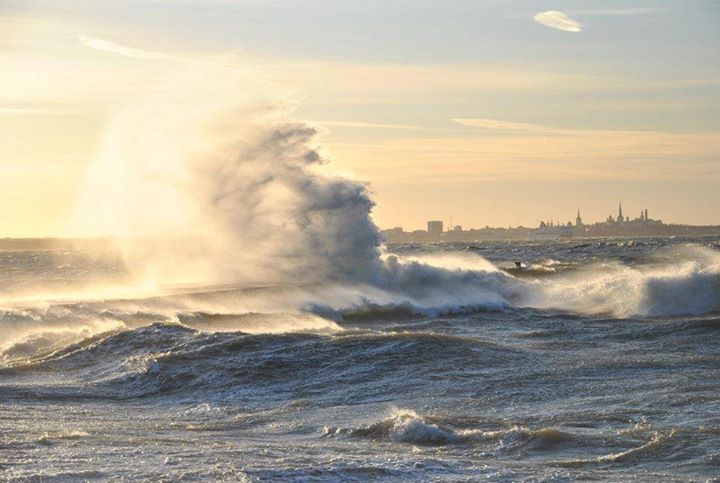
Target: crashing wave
{"x":406,"y":426}
{"x":236,"y":193}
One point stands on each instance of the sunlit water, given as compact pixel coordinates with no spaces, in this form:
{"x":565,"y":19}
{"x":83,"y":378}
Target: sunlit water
{"x":597,"y":359}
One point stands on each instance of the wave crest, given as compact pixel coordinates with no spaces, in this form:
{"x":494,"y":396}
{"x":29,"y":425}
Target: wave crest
{"x":406,"y":426}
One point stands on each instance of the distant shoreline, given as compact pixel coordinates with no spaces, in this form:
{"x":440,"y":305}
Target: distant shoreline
{"x":561,"y":233}
{"x":469,"y":236}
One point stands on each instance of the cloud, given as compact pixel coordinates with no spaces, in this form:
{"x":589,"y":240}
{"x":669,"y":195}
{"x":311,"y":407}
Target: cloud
{"x":23,"y":111}
{"x":551,"y":154}
{"x":498,"y":125}
{"x":114,"y":48}
{"x":522,"y":129}
{"x":617,"y":12}
{"x":558,"y":20}
{"x":370,"y":125}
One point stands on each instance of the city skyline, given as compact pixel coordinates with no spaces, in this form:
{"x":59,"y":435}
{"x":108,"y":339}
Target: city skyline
{"x":578,"y":220}
{"x":494,"y":112}
{"x":618,"y":225}
{"x":196,"y":283}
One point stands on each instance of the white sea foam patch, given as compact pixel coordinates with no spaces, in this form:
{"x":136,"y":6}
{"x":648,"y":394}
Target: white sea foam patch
{"x":436,"y":289}
{"x":28,"y":338}
{"x":51,"y":438}
{"x":407,"y":426}
{"x":258,"y":323}
{"x":685,"y":281}
{"x":453,"y":261}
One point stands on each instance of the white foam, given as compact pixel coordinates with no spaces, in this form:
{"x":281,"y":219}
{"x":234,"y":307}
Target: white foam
{"x":233,"y":187}
{"x":686,"y":284}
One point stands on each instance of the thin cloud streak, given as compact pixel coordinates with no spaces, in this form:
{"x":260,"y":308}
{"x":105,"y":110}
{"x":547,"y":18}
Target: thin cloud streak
{"x":617,"y":12}
{"x":25,"y":111}
{"x":537,"y":155}
{"x":370,"y":125}
{"x":498,"y":125}
{"x":558,"y":20}
{"x":111,"y":47}
{"x":535,"y":129}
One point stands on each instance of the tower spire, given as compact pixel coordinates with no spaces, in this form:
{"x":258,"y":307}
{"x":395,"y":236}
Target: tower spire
{"x":621,"y":218}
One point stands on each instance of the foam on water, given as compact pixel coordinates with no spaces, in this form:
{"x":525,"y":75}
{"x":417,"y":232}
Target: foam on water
{"x":211,"y":182}
{"x":687,"y":284}
{"x":255,"y":306}
{"x":407,"y":426}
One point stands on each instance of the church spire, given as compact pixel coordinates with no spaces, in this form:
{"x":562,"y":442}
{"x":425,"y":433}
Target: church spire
{"x":621,"y":218}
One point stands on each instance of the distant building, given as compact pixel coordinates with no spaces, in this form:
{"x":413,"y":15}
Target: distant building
{"x":622,"y":226}
{"x":435,"y":229}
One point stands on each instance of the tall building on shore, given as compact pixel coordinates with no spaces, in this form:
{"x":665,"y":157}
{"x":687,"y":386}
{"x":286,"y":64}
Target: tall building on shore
{"x":435,"y":228}
{"x":578,"y":220}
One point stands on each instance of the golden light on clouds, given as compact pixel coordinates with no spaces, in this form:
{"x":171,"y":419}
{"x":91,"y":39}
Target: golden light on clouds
{"x":108,"y":46}
{"x":390,"y":121}
{"x":574,"y":154}
{"x":558,"y":20}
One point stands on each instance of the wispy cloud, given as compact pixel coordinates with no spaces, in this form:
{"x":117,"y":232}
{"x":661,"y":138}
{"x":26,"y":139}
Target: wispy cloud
{"x":26,"y":111}
{"x":507,"y":150}
{"x":558,"y":20}
{"x":370,"y":125}
{"x":524,"y":129}
{"x":498,"y":125}
{"x":616,"y":12}
{"x":111,"y":47}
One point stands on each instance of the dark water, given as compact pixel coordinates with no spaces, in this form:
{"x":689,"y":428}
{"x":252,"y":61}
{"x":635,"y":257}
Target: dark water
{"x":596,"y":360}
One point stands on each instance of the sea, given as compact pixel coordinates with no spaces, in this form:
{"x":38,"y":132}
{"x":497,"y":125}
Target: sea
{"x":565,"y":360}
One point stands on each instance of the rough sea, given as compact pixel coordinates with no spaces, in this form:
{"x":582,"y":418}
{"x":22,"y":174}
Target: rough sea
{"x":594,"y":360}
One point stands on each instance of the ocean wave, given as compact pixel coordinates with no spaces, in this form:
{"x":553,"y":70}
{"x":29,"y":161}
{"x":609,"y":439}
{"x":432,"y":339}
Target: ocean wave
{"x":651,"y":449}
{"x":684,"y":281}
{"x":168,"y":359}
{"x":687,"y":283}
{"x":406,"y":426}
{"x":257,"y":323}
{"x":49,"y":439}
{"x":406,"y":310}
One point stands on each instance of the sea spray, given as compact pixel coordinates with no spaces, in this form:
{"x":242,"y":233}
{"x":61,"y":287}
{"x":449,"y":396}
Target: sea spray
{"x":210,"y":182}
{"x":684,"y":282}
{"x":223,"y":188}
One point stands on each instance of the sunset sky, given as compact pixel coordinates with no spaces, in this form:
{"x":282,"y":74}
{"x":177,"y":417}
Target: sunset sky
{"x":489,"y":112}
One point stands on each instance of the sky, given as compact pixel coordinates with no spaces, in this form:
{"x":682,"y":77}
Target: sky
{"x":499,"y":113}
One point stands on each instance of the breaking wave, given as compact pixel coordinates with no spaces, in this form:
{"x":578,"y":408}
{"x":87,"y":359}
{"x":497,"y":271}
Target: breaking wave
{"x":405,"y":426}
{"x":224,"y":187}
{"x":684,"y":282}
{"x":657,"y":444}
{"x":229,"y":218}
{"x":167,"y":360}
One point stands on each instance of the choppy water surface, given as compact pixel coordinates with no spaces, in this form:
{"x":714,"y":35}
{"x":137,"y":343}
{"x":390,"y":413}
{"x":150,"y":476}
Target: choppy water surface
{"x":598,"y":359}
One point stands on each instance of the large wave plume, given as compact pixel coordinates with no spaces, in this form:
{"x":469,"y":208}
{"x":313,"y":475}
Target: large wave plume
{"x":210,"y":182}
